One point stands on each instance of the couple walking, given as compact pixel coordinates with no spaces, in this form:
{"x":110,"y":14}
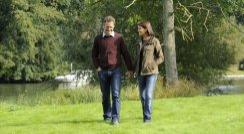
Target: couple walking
{"x":108,"y":48}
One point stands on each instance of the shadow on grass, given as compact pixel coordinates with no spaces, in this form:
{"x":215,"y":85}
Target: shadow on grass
{"x":55,"y":122}
{"x":75,"y":121}
{"x":98,"y":121}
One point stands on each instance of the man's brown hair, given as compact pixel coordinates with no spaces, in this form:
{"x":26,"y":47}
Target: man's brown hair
{"x":109,"y":19}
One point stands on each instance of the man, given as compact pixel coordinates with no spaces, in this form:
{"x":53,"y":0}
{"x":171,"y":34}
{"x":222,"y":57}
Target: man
{"x":106,"y":54}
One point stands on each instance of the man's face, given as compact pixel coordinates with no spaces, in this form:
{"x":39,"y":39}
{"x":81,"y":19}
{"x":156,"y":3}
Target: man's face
{"x":108,"y":27}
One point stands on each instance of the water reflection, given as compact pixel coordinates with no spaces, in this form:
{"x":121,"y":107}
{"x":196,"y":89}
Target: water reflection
{"x":227,"y":87}
{"x":30,"y":88}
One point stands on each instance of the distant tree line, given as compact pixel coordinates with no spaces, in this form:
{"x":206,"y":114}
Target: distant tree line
{"x":40,"y":38}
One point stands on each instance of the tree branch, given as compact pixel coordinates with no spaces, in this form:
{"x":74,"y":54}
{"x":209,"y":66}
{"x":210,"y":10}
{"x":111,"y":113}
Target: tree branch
{"x":187,"y":18}
{"x":130,"y":4}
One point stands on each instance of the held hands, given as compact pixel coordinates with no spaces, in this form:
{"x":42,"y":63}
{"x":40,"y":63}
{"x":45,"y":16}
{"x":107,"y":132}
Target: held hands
{"x":98,"y":69}
{"x":129,"y":74}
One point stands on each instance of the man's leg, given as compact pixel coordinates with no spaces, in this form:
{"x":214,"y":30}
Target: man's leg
{"x":105,"y":89}
{"x":116,"y":85}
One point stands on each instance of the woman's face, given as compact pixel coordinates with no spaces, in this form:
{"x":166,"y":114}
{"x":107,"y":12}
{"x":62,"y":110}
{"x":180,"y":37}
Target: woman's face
{"x":141,"y":31}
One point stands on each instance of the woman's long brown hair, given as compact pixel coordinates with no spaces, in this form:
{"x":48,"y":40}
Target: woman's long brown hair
{"x":147,"y":25}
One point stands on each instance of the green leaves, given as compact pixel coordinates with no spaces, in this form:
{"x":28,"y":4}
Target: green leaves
{"x":39,"y":38}
{"x":32,"y":42}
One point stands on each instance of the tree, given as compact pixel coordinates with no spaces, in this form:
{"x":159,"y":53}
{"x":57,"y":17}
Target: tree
{"x":31,"y":48}
{"x":169,"y":43}
{"x":38,"y":39}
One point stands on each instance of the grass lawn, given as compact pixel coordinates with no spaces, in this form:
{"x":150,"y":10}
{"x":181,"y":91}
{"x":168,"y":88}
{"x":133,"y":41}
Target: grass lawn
{"x":192,"y":115}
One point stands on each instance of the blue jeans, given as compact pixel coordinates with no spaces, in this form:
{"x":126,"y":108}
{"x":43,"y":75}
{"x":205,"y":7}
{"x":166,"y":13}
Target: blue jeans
{"x":110,"y":81}
{"x":146,"y":87}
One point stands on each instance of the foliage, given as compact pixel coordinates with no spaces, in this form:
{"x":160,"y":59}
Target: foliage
{"x":206,"y":58}
{"x":233,"y":36}
{"x":32,"y":45}
{"x":40,"y":38}
{"x":184,"y":88}
{"x":49,"y":94}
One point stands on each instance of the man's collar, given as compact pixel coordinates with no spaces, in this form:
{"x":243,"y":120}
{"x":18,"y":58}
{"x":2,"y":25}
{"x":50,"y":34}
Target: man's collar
{"x":112,"y":34}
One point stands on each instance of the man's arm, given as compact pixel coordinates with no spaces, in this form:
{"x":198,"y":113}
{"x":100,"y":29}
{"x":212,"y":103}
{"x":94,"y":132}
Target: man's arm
{"x":126,"y":55}
{"x":95,"y":54}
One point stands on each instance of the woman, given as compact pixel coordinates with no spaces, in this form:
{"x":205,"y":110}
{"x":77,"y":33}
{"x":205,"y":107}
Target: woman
{"x":149,"y":56}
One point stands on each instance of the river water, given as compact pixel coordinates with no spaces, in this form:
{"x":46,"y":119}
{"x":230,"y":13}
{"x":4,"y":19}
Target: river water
{"x":32,"y":88}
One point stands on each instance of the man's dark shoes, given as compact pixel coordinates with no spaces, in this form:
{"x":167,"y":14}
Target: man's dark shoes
{"x":115,"y":122}
{"x":147,"y":121}
{"x":107,"y":120}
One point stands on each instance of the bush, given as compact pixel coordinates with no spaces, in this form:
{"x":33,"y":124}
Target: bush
{"x":184,"y":88}
{"x":92,"y":93}
{"x":130,"y":92}
{"x":86,"y":94}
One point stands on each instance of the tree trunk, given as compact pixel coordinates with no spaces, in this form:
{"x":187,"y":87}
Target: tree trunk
{"x":169,"y":43}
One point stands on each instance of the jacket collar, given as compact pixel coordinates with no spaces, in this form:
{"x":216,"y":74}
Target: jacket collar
{"x":112,"y":34}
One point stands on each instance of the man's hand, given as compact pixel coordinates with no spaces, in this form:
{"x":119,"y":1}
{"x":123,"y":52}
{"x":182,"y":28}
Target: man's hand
{"x":129,"y":74}
{"x":98,"y":69}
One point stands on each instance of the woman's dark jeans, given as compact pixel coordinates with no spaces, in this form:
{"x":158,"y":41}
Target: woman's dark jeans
{"x":146,"y":88}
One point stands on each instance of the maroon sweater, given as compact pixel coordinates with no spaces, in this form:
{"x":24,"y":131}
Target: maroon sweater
{"x":107,"y":51}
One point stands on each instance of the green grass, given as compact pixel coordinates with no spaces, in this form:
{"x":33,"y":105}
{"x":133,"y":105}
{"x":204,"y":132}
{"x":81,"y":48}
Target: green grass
{"x":190,"y":115}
